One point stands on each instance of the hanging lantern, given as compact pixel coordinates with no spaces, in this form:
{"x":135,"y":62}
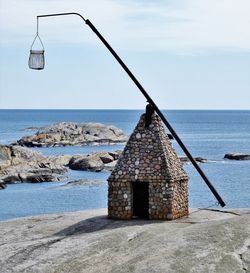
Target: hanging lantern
{"x":36,"y":59}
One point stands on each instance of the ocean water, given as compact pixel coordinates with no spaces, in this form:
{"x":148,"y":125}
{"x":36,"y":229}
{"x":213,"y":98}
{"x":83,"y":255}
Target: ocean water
{"x":209,"y":134}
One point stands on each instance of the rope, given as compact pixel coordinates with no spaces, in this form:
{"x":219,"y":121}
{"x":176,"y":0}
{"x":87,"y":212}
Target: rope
{"x":37,"y":36}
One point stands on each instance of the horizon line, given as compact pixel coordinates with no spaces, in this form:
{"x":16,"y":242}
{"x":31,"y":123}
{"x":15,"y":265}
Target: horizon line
{"x":123,"y":109}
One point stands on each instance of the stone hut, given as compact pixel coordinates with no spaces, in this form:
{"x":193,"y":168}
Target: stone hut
{"x":148,"y":180}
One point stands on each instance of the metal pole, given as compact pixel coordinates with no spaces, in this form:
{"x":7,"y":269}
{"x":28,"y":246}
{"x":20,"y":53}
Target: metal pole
{"x":150,"y":101}
{"x":60,"y":14}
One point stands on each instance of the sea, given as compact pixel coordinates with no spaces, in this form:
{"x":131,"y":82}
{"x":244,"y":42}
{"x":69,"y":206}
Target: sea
{"x":206,"y":133}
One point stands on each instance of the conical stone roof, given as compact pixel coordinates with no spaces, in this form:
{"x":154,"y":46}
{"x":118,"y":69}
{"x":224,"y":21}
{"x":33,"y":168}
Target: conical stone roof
{"x":148,"y":156}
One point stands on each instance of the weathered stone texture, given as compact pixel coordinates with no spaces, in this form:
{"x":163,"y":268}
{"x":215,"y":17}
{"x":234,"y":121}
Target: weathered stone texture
{"x":149,"y":157}
{"x":71,"y":133}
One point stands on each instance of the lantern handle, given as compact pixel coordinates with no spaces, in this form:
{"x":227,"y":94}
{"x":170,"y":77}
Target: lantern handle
{"x":37,"y":36}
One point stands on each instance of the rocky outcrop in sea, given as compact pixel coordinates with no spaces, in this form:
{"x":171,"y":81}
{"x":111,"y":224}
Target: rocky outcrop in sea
{"x":237,"y":156}
{"x":70,"y":133}
{"x":19,"y":164}
{"x":2,"y":185}
{"x":94,"y":162}
{"x":99,"y":161}
{"x":84,"y":182}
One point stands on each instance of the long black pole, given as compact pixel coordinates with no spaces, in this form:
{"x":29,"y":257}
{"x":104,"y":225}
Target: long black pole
{"x":151,"y":102}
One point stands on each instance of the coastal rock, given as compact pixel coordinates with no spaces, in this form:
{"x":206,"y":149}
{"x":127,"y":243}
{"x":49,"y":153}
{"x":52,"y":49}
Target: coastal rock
{"x":45,"y":176}
{"x":94,"y":162}
{"x":5,"y":156}
{"x":21,"y":154}
{"x":184,"y":159}
{"x":214,"y":241}
{"x":32,"y":173}
{"x":237,"y":156}
{"x":86,"y":163}
{"x":84,"y":182}
{"x":106,"y":157}
{"x":19,"y":164}
{"x":62,"y":160}
{"x":70,"y":133}
{"x":2,"y":185}
{"x":110,"y":166}
{"x":5,"y":153}
{"x":32,"y":128}
{"x":11,"y":177}
{"x":115,"y":154}
{"x":103,"y":161}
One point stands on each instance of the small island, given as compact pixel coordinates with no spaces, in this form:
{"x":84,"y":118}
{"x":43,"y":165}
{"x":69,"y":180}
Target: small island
{"x":71,"y":133}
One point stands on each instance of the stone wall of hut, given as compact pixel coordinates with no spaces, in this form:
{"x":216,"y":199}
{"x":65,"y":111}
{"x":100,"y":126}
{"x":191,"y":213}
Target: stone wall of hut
{"x":149,"y":157}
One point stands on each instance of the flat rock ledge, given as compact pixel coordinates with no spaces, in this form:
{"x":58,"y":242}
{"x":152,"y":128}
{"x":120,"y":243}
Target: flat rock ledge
{"x":237,"y":156}
{"x":84,"y":182}
{"x":211,"y":241}
{"x":70,"y":133}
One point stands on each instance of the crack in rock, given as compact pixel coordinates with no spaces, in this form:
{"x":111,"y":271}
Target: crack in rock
{"x":242,"y":262}
{"x":24,"y":254}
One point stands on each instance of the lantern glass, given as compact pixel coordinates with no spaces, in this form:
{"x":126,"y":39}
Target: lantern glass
{"x":36,"y":59}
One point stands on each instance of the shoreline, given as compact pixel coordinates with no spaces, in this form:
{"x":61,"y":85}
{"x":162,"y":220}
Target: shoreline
{"x":87,"y":241}
{"x":105,"y":209}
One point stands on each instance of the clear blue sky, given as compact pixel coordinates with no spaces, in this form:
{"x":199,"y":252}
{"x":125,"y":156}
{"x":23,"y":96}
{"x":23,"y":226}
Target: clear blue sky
{"x":187,"y":54}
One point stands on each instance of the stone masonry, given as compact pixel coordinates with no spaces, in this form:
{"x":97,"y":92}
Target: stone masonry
{"x":149,"y":157}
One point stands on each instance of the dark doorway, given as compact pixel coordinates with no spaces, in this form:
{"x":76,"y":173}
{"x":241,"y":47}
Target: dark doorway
{"x":140,"y":199}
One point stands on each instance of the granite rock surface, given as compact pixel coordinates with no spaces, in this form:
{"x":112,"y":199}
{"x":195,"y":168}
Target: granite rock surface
{"x":19,"y":164}
{"x":70,"y":133}
{"x":237,"y":156}
{"x":211,"y":241}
